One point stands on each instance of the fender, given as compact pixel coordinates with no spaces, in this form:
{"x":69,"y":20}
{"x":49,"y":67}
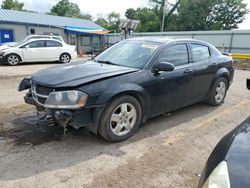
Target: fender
{"x":222,"y":72}
{"x":125,"y":89}
{"x":115,"y":91}
{"x":12,"y":53}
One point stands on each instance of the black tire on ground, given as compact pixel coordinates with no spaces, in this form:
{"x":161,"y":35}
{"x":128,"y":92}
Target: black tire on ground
{"x":215,"y":99}
{"x":13,"y":59}
{"x":65,"y":58}
{"x":107,"y":126}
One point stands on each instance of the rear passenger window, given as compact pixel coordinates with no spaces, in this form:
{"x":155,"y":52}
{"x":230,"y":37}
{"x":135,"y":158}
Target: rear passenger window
{"x":177,"y":55}
{"x":57,"y":38}
{"x":200,"y":52}
{"x":53,"y":44}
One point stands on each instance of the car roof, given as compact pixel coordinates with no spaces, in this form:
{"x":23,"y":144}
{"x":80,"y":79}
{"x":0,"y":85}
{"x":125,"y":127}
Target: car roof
{"x":41,"y":36}
{"x":166,"y":39}
{"x":37,"y":39}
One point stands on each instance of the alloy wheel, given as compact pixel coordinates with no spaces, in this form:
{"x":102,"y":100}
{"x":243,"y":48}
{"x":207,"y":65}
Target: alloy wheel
{"x":65,"y":58}
{"x":123,"y":119}
{"x":220,"y":92}
{"x":13,"y":60}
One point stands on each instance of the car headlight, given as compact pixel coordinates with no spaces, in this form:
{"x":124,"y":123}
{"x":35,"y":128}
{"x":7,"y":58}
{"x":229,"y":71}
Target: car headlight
{"x":2,"y":53}
{"x":219,"y":178}
{"x":66,"y":100}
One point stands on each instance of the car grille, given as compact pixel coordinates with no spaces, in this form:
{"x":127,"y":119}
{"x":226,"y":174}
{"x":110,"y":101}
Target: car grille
{"x":40,"y":93}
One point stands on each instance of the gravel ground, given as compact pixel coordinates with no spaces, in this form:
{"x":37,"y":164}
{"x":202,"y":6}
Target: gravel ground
{"x":167,"y":151}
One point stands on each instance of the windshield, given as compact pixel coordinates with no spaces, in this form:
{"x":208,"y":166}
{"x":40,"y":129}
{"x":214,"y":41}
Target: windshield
{"x":128,"y":53}
{"x":21,"y":42}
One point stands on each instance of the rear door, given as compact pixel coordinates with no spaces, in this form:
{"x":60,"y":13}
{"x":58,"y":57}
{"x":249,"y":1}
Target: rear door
{"x":203,"y":69}
{"x":34,"y":51}
{"x":54,"y":50}
{"x":171,"y":90}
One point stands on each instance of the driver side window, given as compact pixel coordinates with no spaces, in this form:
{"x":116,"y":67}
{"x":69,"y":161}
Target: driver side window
{"x":36,"y":44}
{"x":177,"y":55}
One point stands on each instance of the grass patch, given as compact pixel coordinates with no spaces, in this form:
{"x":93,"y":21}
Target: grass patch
{"x":242,"y":64}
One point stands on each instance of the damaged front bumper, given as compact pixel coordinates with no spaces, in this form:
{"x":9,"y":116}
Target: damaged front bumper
{"x":77,"y":118}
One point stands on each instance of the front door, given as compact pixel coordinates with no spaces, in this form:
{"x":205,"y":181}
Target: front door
{"x":35,"y":51}
{"x":172,"y":90}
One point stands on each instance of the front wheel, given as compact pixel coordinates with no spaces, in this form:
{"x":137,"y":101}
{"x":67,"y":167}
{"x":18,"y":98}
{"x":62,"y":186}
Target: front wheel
{"x":218,"y":92}
{"x":120,"y":119}
{"x":13,"y":59}
{"x":65,"y":58}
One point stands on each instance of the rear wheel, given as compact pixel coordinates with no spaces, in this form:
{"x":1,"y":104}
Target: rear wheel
{"x":65,"y":58}
{"x":218,"y":92}
{"x":13,"y":59}
{"x":121,"y":119}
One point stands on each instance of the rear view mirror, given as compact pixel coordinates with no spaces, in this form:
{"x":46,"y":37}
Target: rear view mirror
{"x":163,"y":66}
{"x":27,"y":46}
{"x":248,"y":83}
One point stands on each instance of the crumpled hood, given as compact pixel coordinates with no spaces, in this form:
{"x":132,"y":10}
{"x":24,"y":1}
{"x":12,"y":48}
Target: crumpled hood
{"x":4,"y":47}
{"x":78,"y":73}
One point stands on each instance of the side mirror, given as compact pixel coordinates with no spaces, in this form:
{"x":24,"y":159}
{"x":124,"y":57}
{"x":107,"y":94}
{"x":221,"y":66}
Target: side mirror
{"x":248,"y":83}
{"x":163,"y":66}
{"x":27,"y":47}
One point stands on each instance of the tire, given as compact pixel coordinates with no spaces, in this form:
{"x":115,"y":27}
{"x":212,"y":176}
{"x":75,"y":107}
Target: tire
{"x":121,"y":119}
{"x":218,"y":92}
{"x":13,"y":59}
{"x":65,"y":58}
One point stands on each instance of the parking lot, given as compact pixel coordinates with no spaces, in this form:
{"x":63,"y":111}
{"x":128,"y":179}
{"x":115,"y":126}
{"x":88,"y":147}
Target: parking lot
{"x":167,"y":151}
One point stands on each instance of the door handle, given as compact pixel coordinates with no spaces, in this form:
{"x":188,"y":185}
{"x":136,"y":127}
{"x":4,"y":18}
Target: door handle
{"x":187,"y":71}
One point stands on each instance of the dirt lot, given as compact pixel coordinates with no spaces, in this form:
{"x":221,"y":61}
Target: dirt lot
{"x":242,"y":64}
{"x":167,"y":151}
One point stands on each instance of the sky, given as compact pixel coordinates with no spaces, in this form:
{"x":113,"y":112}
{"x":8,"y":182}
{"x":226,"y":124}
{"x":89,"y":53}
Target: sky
{"x":95,"y":7}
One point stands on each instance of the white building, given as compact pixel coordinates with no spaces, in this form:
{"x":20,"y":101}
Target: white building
{"x":86,"y":35}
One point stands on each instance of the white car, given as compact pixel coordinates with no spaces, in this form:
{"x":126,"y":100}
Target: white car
{"x":38,"y":50}
{"x":11,"y":44}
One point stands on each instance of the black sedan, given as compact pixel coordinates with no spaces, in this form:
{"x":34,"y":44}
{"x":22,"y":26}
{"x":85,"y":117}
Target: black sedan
{"x":135,"y":79}
{"x":229,"y":164}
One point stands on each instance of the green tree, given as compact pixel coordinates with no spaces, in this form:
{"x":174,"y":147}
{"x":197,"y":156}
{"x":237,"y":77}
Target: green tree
{"x":130,"y":13}
{"x":210,"y":14}
{"x":227,"y":14}
{"x":191,"y":15}
{"x":12,"y":4}
{"x":101,"y":21}
{"x":149,"y":19}
{"x":113,"y":21}
{"x":86,"y":16}
{"x":66,"y":8}
{"x":110,"y":22}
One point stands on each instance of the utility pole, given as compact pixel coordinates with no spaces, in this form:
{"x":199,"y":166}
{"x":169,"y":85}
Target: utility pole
{"x":170,"y":12}
{"x":163,"y":15}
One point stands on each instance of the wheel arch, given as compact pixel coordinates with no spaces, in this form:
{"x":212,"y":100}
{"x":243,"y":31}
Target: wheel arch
{"x":13,"y":53}
{"x":65,"y":53}
{"x":137,"y":95}
{"x":224,"y":73}
{"x":110,"y":95}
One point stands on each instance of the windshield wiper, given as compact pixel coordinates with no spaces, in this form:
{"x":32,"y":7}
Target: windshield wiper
{"x":106,"y":62}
